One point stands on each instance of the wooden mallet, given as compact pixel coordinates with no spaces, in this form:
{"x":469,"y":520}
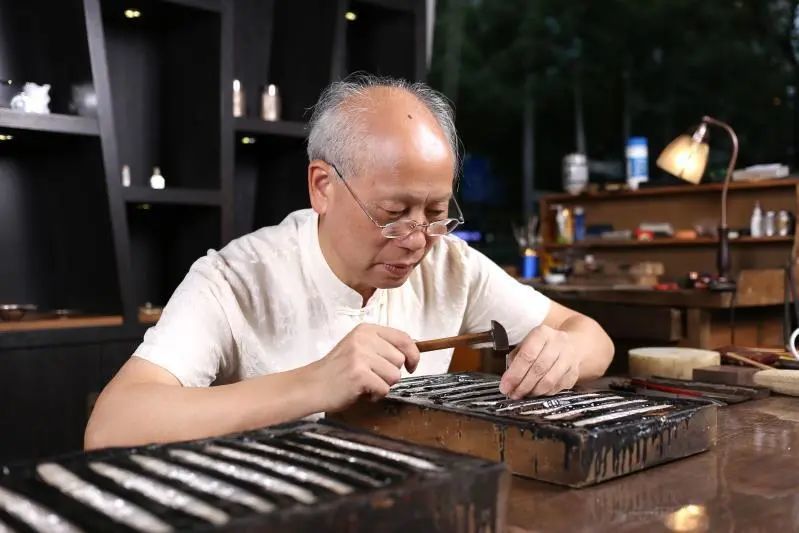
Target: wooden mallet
{"x":497,"y":336}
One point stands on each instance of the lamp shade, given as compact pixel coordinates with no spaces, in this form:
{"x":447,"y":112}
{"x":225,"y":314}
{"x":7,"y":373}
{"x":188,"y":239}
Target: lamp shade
{"x":685,"y":157}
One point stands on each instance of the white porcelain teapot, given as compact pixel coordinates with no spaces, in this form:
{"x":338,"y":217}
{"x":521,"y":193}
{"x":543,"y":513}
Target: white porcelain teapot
{"x":34,"y":98}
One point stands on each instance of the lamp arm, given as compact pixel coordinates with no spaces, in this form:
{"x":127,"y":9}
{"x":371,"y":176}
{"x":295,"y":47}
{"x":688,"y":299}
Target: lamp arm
{"x":730,"y":167}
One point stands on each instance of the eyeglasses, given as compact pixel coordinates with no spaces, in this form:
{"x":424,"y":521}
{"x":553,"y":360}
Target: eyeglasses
{"x":402,"y":228}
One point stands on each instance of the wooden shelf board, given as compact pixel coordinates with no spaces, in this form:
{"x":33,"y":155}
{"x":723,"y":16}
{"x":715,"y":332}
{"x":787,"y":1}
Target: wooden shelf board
{"x":403,"y":5}
{"x":51,"y":123}
{"x":61,"y":323}
{"x":149,"y":320}
{"x":180,"y":196}
{"x":282,"y":128}
{"x":671,"y":190}
{"x":207,"y":5}
{"x":667,"y":242}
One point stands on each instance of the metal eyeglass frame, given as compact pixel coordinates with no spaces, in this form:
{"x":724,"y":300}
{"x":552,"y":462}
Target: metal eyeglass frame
{"x":385,"y":229}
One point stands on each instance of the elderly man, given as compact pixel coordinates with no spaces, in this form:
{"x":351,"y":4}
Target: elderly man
{"x":308,"y":316}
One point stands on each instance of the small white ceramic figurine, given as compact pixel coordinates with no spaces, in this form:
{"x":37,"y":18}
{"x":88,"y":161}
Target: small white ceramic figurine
{"x":34,"y":98}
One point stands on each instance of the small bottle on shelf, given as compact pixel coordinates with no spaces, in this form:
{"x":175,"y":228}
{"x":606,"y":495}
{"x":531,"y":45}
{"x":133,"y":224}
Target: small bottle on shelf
{"x":125,"y":176}
{"x":579,"y":224}
{"x":784,"y":223}
{"x":756,"y":222}
{"x":563,"y":219}
{"x":770,"y":227}
{"x":270,"y":103}
{"x":239,"y":103}
{"x":157,"y":181}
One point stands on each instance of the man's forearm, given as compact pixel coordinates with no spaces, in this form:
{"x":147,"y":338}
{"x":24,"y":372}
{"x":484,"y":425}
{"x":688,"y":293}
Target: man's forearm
{"x":591,"y":343}
{"x":142,"y":413}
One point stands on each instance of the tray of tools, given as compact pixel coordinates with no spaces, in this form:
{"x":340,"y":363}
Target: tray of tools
{"x":574,"y":438}
{"x":295,"y":477}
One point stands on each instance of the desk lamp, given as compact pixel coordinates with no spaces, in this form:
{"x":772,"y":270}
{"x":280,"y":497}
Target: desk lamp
{"x":686,"y":158}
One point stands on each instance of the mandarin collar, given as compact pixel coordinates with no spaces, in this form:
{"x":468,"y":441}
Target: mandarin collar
{"x":344,"y":297}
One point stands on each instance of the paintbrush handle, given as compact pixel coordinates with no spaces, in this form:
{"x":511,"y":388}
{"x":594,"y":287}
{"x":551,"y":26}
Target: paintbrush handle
{"x":748,"y":361}
{"x":453,"y":342}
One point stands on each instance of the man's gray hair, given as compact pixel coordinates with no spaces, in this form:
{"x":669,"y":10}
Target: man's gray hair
{"x":336,"y":132}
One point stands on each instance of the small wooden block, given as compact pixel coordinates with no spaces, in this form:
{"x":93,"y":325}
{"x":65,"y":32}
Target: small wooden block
{"x":727,"y":374}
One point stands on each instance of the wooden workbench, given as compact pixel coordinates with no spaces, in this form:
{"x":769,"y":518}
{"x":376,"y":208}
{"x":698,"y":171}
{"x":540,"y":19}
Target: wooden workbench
{"x":748,"y":482}
{"x":696,"y":318}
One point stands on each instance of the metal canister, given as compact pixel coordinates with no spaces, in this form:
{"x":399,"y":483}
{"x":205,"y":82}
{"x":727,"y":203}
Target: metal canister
{"x":770,"y":226}
{"x":575,"y":173}
{"x":270,"y":103}
{"x":530,"y":264}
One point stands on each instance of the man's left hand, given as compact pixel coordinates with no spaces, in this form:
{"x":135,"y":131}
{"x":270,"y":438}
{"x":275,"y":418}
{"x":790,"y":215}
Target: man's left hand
{"x":544,"y":363}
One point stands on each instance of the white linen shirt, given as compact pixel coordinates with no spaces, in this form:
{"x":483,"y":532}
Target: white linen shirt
{"x":268,"y":302}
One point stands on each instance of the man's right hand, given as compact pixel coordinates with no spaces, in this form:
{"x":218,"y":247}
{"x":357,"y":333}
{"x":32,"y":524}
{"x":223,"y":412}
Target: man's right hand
{"x":367,"y":361}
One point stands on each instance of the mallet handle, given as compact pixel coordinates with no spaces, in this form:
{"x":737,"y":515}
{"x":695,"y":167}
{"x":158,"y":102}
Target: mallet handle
{"x":452,"y":342}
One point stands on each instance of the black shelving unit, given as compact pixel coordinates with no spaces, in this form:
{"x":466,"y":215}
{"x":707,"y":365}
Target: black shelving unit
{"x":282,"y":128}
{"x":74,"y":237}
{"x":383,"y":39}
{"x":12,"y":120}
{"x":269,"y":163}
{"x":165,"y":240}
{"x":146,"y":195}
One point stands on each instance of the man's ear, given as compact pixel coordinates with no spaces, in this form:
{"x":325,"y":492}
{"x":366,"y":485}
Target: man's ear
{"x":320,"y":185}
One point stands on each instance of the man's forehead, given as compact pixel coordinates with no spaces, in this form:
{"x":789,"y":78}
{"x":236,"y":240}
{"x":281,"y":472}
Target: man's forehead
{"x":421,"y":192}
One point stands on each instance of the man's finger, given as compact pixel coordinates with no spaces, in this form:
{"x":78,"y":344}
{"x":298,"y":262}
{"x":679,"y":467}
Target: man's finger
{"x":553,"y":380}
{"x":389,"y":352}
{"x":385,"y":369}
{"x":375,"y":386}
{"x":523,"y":360}
{"x":539,"y":371}
{"x":402,"y":342}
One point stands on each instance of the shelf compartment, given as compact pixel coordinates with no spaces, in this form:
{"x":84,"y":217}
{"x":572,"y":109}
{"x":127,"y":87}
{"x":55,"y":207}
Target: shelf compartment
{"x":166,"y":102}
{"x":268,"y":48}
{"x":53,"y":123}
{"x":44,"y":42}
{"x":165,"y":240}
{"x":55,"y":225}
{"x":380,"y":38}
{"x":270,"y":182}
{"x":209,"y":197}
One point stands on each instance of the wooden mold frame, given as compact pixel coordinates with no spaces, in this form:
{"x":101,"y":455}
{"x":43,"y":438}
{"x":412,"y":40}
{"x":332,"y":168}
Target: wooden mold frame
{"x":556,"y":451}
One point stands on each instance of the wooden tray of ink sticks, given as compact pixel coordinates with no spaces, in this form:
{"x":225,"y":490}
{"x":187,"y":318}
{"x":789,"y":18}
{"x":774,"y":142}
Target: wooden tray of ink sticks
{"x":574,"y":438}
{"x":293,"y":477}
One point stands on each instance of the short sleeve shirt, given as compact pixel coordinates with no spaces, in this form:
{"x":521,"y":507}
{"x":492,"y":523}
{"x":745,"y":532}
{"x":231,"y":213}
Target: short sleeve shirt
{"x":268,"y":302}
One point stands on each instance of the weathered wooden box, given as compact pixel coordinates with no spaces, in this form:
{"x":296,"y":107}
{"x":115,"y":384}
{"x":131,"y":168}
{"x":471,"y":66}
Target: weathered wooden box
{"x":573,"y":438}
{"x":294,"y":477}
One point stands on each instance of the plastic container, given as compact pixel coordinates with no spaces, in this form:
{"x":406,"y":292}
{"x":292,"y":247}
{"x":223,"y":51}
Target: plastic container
{"x":579,"y":224}
{"x":529,"y":264}
{"x":637,"y":162}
